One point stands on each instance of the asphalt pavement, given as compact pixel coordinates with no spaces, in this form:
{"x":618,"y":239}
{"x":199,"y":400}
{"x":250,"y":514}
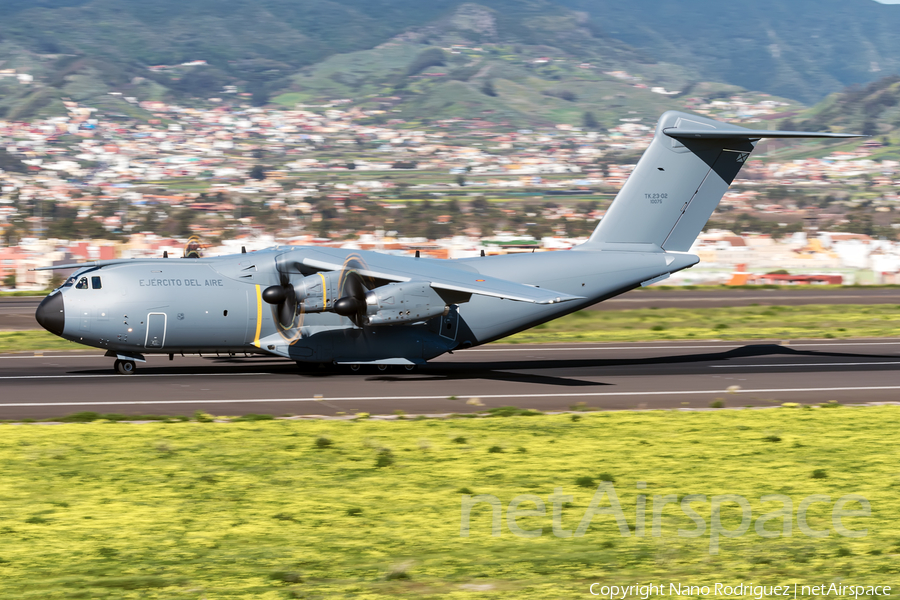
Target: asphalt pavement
{"x":683,"y":375}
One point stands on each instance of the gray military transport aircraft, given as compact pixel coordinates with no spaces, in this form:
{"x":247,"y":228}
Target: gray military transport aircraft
{"x":347,"y":307}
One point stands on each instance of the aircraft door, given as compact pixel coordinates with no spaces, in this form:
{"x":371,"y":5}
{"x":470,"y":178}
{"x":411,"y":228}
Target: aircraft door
{"x":450,"y":323}
{"x":156,"y":330}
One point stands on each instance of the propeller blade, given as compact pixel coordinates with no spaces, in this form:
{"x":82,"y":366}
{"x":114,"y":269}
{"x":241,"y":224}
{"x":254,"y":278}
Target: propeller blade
{"x":287,"y":308}
{"x":354,"y":287}
{"x":353,"y":303}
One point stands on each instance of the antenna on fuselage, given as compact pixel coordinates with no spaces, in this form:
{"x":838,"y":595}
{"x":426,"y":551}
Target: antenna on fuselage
{"x":165,"y":254}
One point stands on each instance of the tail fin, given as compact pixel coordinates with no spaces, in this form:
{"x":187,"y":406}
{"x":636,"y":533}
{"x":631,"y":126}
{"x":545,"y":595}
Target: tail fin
{"x":679,"y":181}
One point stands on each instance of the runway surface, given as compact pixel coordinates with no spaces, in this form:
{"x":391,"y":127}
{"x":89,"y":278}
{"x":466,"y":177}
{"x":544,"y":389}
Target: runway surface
{"x":545,"y":377}
{"x":18,"y":313}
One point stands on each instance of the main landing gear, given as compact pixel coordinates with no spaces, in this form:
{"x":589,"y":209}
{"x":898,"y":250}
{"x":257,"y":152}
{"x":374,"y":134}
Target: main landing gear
{"x":125,"y":363}
{"x":125,"y":367}
{"x":381,"y":368}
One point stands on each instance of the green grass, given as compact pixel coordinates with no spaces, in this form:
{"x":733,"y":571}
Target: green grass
{"x":21,"y":293}
{"x":261,"y":510}
{"x":290,"y":100}
{"x":733,"y":323}
{"x":34,"y":339}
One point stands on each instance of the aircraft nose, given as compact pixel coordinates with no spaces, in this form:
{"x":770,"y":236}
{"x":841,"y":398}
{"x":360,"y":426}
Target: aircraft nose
{"x":51,"y":313}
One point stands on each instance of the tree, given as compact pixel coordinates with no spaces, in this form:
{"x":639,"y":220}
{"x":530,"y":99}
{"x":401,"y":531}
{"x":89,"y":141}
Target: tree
{"x":460,"y":180}
{"x":590,"y":121}
{"x":258,"y":173}
{"x":10,"y":281}
{"x":488,"y":88}
{"x":429,"y":57}
{"x":10,"y":163}
{"x":260,"y":96}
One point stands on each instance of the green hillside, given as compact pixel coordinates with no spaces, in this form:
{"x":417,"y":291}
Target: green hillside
{"x":317,"y":50}
{"x":872,"y":110}
{"x":802,"y":49}
{"x":476,"y":63}
{"x":296,"y":52}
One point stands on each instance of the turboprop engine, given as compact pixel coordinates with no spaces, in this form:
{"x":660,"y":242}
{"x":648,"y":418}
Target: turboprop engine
{"x":345,"y":294}
{"x":399,"y":303}
{"x":317,"y":293}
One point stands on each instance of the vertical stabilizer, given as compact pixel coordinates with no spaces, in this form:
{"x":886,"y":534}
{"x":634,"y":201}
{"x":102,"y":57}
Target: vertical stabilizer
{"x":679,"y":181}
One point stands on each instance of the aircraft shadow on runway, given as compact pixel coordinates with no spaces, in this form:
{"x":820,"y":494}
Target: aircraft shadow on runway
{"x":684,"y":364}
{"x":530,"y":371}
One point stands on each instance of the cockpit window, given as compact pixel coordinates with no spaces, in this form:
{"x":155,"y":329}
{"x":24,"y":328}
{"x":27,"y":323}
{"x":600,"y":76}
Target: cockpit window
{"x":69,"y":282}
{"x":82,"y":284}
{"x":95,"y":283}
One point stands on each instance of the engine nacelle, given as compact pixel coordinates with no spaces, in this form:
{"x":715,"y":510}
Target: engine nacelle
{"x":399,"y":303}
{"x":318,"y":292}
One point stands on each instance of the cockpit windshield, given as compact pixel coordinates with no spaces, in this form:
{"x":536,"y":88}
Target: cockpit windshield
{"x":82,"y":284}
{"x":69,"y":282}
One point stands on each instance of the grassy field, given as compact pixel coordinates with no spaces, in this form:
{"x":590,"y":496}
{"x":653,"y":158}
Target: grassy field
{"x":328,"y":509}
{"x":743,"y":323}
{"x":36,"y":339}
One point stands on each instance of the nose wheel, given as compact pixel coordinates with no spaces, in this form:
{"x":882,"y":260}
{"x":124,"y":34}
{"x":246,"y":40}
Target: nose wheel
{"x":124,"y":367}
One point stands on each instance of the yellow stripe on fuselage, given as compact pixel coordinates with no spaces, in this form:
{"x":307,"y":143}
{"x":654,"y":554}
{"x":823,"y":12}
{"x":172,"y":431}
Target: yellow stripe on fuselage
{"x":258,"y":316}
{"x":324,"y":292}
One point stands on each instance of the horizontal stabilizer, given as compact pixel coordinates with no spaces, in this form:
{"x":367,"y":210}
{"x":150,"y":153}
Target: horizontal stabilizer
{"x":748,"y":134}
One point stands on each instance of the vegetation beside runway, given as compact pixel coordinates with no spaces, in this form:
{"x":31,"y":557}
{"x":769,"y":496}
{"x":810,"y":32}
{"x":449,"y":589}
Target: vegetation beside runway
{"x":648,"y":324}
{"x":281,"y":509}
{"x":34,"y":339}
{"x":811,"y":321}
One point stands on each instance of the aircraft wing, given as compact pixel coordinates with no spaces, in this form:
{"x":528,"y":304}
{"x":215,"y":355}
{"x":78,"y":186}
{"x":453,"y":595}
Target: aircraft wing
{"x":93,"y":263}
{"x":447,"y":278}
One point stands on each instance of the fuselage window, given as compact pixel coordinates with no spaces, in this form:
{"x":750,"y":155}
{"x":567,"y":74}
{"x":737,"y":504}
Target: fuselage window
{"x":82,"y":284}
{"x":95,"y":283}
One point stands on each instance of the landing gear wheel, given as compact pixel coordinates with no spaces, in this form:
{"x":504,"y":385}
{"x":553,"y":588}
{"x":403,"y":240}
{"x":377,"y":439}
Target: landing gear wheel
{"x":410,"y":367}
{"x":354,"y":368}
{"x":382,"y":368}
{"x":125,"y":367}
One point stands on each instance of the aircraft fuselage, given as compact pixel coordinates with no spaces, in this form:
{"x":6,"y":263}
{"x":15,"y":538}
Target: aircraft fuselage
{"x":215,"y":305}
